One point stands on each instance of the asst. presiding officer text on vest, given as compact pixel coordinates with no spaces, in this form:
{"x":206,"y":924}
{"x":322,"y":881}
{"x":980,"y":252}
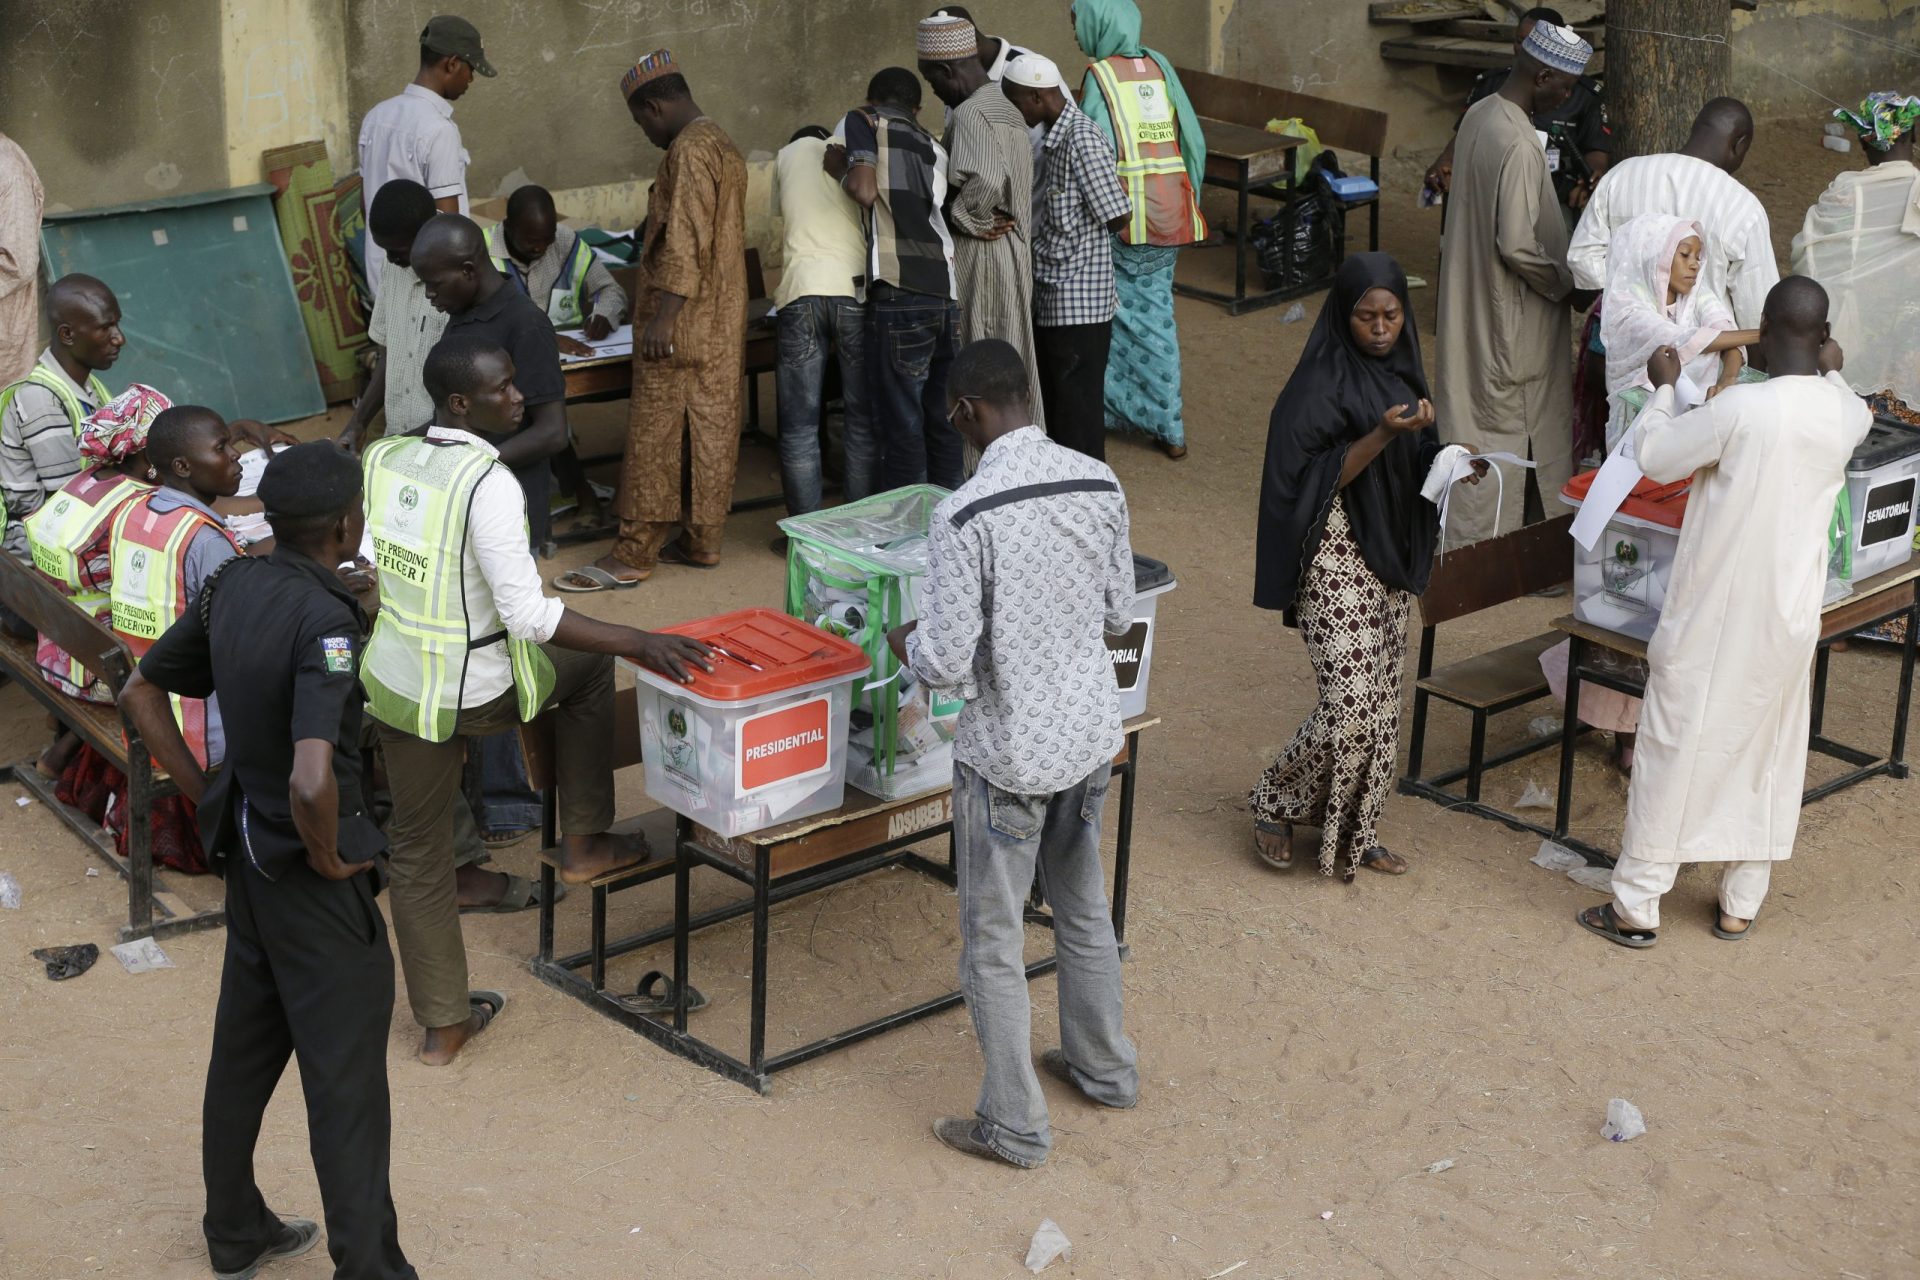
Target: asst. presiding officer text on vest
{"x":467,"y":644}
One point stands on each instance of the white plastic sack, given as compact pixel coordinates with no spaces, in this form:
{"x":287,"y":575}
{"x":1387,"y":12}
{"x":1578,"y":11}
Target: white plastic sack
{"x":1624,"y":1122}
{"x":1049,"y":1242}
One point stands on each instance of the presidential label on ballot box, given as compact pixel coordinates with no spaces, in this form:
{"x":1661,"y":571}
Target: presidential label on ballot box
{"x":762,"y":738}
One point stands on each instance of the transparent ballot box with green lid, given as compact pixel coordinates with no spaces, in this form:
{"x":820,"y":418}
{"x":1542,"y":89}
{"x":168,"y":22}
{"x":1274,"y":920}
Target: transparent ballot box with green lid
{"x":855,"y":571}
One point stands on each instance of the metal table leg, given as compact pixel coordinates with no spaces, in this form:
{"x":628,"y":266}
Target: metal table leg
{"x":1123,"y":842}
{"x":1569,"y":737}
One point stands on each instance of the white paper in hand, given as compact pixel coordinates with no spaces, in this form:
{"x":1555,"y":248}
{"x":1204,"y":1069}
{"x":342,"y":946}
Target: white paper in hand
{"x":1460,"y":467}
{"x":1611,"y":487}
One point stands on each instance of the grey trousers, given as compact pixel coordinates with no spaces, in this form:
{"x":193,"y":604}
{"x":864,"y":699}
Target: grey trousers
{"x":999,"y":837}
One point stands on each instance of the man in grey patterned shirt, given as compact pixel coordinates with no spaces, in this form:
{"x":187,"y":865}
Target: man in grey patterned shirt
{"x":1029,"y":567}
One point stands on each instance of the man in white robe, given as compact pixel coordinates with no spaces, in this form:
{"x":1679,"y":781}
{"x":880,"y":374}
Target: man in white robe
{"x":1504,"y":364}
{"x":1722,"y":755}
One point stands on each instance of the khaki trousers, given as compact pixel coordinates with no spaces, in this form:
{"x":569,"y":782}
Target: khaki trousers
{"x":428,"y":808}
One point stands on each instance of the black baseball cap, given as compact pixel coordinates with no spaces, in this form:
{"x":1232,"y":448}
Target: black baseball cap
{"x":457,"y":38}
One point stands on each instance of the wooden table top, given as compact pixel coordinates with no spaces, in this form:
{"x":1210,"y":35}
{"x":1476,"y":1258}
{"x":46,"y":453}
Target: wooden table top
{"x":1233,"y":141}
{"x":1836,"y":619}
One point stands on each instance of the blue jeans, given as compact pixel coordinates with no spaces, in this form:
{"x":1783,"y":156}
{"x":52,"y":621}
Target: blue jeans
{"x":912,"y":339}
{"x":512,"y":805}
{"x":999,"y":837}
{"x":808,"y":327}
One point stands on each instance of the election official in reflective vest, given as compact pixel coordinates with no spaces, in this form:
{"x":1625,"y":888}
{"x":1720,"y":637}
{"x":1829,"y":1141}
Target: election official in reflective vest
{"x":468,"y":644}
{"x":555,"y":267}
{"x":168,"y":541}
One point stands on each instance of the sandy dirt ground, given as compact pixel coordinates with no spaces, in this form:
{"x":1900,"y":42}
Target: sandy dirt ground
{"x":1308,"y":1049}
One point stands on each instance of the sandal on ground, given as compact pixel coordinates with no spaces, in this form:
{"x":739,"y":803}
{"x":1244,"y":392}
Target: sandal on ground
{"x":1282,"y":829}
{"x":519,"y":894}
{"x":595,"y":578}
{"x":486,"y":1006}
{"x":1603,"y":921}
{"x":1730,"y":935}
{"x":657,"y":994}
{"x":1385,"y":861}
{"x":676,"y":552}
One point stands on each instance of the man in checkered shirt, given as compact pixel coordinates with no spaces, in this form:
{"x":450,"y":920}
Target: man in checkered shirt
{"x":1073,"y":298}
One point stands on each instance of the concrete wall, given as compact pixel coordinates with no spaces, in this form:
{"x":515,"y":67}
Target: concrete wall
{"x":1789,"y":59}
{"x":762,"y":68}
{"x":114,"y":100}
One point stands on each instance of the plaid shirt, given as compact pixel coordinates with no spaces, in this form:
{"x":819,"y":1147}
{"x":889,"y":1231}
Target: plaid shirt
{"x":908,"y":245}
{"x":1073,"y":250}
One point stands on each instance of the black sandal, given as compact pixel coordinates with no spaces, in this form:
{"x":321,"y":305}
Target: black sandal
{"x":657,"y":995}
{"x":1375,"y":859}
{"x":1603,"y":921}
{"x":1285,"y":829}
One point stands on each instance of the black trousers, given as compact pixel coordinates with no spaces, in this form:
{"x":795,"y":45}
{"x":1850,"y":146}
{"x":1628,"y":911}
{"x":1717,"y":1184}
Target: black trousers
{"x":1073,"y":384}
{"x":308,"y":971}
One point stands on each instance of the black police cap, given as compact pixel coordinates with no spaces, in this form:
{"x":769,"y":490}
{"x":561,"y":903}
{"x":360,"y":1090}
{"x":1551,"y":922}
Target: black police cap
{"x":314,"y":479}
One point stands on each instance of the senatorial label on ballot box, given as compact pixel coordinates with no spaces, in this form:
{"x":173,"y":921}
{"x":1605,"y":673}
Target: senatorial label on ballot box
{"x":1128,"y":651}
{"x":1889,"y":513}
{"x":785,"y":745}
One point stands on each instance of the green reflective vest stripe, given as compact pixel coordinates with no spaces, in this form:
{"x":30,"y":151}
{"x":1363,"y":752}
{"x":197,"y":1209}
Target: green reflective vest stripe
{"x":419,"y":500}
{"x":63,"y":391}
{"x":568,"y":304}
{"x":1146,"y":139}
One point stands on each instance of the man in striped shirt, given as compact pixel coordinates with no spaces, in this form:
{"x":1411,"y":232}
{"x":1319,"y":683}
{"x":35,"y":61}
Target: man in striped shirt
{"x":1695,"y":182}
{"x":40,"y":428}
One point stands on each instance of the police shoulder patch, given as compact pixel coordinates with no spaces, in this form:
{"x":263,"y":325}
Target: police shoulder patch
{"x":338,"y":653}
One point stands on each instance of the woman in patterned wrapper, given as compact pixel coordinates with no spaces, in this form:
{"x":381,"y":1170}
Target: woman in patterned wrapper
{"x":1346,"y":541}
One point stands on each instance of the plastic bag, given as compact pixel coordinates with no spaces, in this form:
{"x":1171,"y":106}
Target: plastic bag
{"x":1049,"y":1242}
{"x":1598,"y":879}
{"x":1555,"y":857}
{"x":9,"y":891}
{"x":1534,"y":796}
{"x":1302,"y":156}
{"x":1624,"y":1122}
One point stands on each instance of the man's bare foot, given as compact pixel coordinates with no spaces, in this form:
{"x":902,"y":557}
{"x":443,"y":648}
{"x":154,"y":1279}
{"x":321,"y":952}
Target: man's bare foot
{"x":478,"y":887}
{"x":59,"y":754}
{"x":584,"y":858}
{"x":441,"y":1044}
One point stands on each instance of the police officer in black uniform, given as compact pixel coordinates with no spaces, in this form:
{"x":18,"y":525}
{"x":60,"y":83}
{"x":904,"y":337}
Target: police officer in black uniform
{"x":1579,"y":143}
{"x":308,"y":969}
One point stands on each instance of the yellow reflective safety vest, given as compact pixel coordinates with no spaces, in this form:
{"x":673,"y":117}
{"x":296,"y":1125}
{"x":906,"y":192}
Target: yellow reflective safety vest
{"x":149,"y":590}
{"x":419,"y":497}
{"x":68,"y":539}
{"x":567,"y":304}
{"x":1146,"y":138}
{"x":41,"y":376}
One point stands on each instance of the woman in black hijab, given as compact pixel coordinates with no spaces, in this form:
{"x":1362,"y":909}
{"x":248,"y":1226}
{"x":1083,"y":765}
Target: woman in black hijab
{"x":1346,"y":542}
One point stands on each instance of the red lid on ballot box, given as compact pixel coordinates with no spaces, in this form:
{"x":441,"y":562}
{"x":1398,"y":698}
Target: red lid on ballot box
{"x":788,"y":653}
{"x":1664,"y":504}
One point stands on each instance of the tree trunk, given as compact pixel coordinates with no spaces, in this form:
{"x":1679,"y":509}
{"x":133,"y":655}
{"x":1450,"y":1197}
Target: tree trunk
{"x":1657,"y":83}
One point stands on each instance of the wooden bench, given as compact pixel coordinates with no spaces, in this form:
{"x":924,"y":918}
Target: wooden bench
{"x":101,"y":727}
{"x":1339,"y":125}
{"x":1467,"y":580}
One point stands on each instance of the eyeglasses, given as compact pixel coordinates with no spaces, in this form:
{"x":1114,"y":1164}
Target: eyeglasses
{"x":957,"y":402}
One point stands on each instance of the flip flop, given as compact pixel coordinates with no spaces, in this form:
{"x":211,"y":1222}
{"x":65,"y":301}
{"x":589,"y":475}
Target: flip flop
{"x":656,"y":995}
{"x":1375,"y":859}
{"x":1603,"y":921}
{"x":1273,"y":829}
{"x":600,"y":578}
{"x":1726,"y":935}
{"x":674,"y":553}
{"x":486,"y":1005}
{"x":520,"y":894}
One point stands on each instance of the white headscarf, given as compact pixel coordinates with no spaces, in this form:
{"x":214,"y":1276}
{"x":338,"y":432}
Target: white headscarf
{"x":1635,"y":319}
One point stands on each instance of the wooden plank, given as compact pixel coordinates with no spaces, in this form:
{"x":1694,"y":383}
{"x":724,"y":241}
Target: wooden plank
{"x":1339,"y":124}
{"x":1488,"y":679}
{"x":1486,"y":29}
{"x":1448,"y":51}
{"x":1482,"y":574}
{"x":1420,"y":12}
